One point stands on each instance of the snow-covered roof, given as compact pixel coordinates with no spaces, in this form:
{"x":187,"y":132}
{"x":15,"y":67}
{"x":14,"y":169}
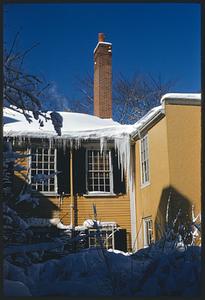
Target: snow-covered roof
{"x":181,"y":96}
{"x":75,"y":125}
{"x":84,"y":126}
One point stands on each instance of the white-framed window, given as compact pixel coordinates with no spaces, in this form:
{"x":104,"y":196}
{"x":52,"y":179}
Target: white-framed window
{"x":106,"y":236}
{"x":144,"y":161}
{"x":148,"y":231}
{"x":43,"y":161}
{"x":99,"y":175}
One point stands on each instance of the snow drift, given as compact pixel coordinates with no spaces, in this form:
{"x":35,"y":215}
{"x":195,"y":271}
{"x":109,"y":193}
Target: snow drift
{"x":148,"y":272}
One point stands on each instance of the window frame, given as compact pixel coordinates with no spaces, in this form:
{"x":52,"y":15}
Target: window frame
{"x":146,"y":227}
{"x":144,"y":182}
{"x":100,"y":193}
{"x":109,"y":234}
{"x":46,"y":193}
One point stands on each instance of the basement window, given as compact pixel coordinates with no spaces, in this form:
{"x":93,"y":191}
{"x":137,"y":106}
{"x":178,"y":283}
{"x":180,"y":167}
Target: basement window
{"x":144,"y":161}
{"x":148,"y":231}
{"x":105,"y":235}
{"x":99,"y":172}
{"x":43,"y":162}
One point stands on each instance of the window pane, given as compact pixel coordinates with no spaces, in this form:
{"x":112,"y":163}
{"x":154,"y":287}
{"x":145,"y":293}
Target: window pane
{"x":39,"y":187}
{"x":33,"y":157}
{"x":52,"y":159}
{"x":52,"y":188}
{"x":33,"y":165}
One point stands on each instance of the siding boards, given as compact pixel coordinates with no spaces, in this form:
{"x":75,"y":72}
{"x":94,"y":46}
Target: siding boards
{"x":110,"y":209}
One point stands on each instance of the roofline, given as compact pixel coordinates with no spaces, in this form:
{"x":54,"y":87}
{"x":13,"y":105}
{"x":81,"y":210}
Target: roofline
{"x":151,"y":122}
{"x":181,"y":99}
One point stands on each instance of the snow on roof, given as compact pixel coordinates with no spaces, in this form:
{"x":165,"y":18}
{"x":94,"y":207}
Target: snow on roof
{"x":190,"y":96}
{"x":105,"y":43}
{"x":75,"y":125}
{"x":146,"y":119}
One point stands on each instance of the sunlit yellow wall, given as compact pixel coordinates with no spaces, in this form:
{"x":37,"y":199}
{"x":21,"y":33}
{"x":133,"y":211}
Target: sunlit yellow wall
{"x":184,"y":143}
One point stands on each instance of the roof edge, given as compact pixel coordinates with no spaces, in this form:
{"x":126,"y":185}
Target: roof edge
{"x":181,"y":99}
{"x":153,"y":120}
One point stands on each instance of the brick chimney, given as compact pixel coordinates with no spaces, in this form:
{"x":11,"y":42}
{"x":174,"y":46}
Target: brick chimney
{"x":103,"y":78}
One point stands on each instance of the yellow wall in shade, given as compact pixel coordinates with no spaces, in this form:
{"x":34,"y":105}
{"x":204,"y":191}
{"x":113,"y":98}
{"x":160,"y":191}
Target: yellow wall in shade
{"x":148,"y":197}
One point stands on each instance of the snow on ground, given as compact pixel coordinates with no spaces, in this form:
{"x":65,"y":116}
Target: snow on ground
{"x":94,"y":272}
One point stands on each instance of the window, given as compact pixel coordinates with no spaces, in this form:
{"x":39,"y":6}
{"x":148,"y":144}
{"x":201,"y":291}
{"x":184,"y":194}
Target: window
{"x":148,"y":231}
{"x":99,"y":171}
{"x":144,"y":156}
{"x":43,"y":161}
{"x":106,"y":235}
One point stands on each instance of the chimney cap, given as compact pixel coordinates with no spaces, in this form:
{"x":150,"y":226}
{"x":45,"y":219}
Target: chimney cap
{"x":101,"y":37}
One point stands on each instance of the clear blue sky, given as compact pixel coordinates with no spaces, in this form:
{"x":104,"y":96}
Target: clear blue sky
{"x":148,"y":38}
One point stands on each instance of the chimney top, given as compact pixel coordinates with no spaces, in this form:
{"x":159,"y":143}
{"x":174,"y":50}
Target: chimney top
{"x":101,"y":37}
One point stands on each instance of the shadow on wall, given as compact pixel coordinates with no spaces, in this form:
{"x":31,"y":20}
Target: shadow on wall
{"x":45,"y":209}
{"x":177,"y":209}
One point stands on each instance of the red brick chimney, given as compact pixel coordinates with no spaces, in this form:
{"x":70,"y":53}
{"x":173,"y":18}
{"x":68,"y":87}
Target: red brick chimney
{"x":103,"y":78}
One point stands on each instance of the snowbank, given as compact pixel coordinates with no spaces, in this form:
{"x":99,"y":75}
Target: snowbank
{"x":15,"y":288}
{"x":91,"y":272}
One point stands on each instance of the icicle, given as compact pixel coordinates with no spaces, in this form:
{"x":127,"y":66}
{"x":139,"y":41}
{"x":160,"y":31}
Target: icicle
{"x":71,"y":144}
{"x":101,"y":144}
{"x":167,"y":210}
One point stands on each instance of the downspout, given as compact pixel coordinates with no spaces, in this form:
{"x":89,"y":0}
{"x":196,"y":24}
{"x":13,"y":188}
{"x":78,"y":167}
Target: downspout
{"x":71,"y":189}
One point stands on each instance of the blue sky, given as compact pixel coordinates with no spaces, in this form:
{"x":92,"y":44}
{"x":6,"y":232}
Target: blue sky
{"x":147,"y":38}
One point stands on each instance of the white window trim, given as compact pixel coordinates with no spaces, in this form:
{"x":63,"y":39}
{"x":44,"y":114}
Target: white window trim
{"x":98,"y":193}
{"x":55,"y":192}
{"x":144,"y":184}
{"x":145,"y":240}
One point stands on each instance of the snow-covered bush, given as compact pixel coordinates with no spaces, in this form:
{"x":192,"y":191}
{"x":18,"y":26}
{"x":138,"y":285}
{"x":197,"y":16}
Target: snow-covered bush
{"x":22,"y":92}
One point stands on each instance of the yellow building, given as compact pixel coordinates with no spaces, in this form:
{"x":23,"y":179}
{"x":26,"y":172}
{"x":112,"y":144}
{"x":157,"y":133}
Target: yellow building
{"x":158,"y":157}
{"x":167,"y":164}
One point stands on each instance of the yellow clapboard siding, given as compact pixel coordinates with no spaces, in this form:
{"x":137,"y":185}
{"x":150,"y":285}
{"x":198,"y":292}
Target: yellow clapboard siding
{"x":109,"y":209}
